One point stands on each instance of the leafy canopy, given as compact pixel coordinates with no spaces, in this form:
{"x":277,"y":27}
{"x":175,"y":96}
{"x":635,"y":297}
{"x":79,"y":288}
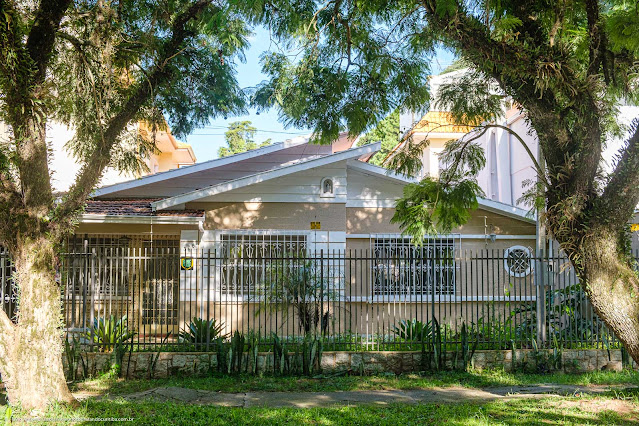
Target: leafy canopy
{"x":240,"y":138}
{"x":386,"y":132}
{"x":568,"y":64}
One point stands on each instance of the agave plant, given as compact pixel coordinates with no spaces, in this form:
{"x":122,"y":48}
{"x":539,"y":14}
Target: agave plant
{"x":109,"y":333}
{"x":414,"y":330}
{"x":200,"y":331}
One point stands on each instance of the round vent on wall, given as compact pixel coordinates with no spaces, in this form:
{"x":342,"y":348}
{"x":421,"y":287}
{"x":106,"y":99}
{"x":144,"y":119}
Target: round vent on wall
{"x":518,"y":261}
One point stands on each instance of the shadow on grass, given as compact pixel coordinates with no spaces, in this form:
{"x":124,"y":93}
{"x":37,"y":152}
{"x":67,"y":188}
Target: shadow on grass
{"x":248,"y":383}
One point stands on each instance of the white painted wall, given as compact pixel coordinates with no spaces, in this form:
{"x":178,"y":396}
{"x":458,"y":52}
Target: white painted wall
{"x":509,"y":166}
{"x":371,"y":191}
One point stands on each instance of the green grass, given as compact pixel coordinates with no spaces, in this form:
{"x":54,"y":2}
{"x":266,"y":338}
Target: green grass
{"x":596,"y":411}
{"x":247,"y":383}
{"x":613,"y":408}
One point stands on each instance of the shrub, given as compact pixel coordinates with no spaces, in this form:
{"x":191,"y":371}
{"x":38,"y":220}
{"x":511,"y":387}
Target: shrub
{"x":109,"y":334}
{"x":414,"y":330}
{"x":200,"y":332}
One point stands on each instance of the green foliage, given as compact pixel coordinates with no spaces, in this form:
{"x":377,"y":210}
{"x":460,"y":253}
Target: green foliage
{"x":413,"y":330}
{"x":97,"y":68}
{"x":472,"y":99}
{"x":281,"y":361}
{"x":223,"y":356}
{"x":110,"y":333}
{"x":237,"y":351}
{"x":201,"y":333}
{"x":299,"y":286}
{"x":73,"y":354}
{"x":386,"y":132}
{"x":240,"y":138}
{"x":568,"y":318}
{"x":356,"y":69}
{"x":432,"y":207}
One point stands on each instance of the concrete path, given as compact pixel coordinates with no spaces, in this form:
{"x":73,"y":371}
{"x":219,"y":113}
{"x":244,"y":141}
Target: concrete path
{"x":381,"y":397}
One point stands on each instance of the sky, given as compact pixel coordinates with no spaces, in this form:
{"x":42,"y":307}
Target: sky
{"x":207,"y":140}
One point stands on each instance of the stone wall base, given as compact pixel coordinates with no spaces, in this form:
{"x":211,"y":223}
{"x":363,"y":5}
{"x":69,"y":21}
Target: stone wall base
{"x":138,"y":364}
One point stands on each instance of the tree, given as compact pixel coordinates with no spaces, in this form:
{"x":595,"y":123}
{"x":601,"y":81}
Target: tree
{"x":568,"y":64}
{"x":97,"y":66}
{"x":386,"y":132}
{"x":240,"y":138}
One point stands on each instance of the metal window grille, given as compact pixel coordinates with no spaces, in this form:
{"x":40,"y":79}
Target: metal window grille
{"x":106,"y":255}
{"x":403,"y":269}
{"x":246,"y":257}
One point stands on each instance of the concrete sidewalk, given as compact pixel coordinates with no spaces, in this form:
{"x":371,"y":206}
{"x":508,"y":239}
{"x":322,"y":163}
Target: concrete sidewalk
{"x":446,"y":395}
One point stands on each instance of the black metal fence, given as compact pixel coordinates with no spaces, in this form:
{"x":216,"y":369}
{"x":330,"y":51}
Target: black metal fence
{"x":377,"y":299}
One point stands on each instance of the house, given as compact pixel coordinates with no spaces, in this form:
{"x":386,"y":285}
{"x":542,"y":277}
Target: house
{"x":198,"y":241}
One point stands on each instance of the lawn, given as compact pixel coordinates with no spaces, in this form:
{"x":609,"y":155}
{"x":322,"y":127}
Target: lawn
{"x":563,"y":411}
{"x":247,"y":383}
{"x":616,"y":407}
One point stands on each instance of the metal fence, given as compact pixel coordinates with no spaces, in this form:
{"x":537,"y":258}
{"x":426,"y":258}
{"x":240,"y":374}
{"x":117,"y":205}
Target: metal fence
{"x":381,"y":298}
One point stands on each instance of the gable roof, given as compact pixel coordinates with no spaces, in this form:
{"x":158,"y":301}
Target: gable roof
{"x":485,"y":204}
{"x":264,"y":176}
{"x":189,"y":170}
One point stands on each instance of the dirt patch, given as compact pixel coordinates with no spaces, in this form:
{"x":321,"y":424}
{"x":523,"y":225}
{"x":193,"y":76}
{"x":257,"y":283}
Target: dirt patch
{"x":596,"y":405}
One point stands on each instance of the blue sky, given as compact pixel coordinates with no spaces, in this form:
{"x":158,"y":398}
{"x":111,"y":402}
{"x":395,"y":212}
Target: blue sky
{"x":206,"y":141}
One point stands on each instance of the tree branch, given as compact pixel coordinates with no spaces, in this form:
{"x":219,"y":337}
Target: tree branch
{"x":573,"y":154}
{"x":540,"y":172}
{"x":597,"y":45}
{"x":620,"y":198}
{"x":160,"y":74}
{"x":42,"y":34}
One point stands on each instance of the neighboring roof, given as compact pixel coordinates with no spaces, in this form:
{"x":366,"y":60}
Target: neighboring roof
{"x":265,"y":176}
{"x":138,"y":207}
{"x":485,"y":204}
{"x":344,"y":142}
{"x":439,"y":122}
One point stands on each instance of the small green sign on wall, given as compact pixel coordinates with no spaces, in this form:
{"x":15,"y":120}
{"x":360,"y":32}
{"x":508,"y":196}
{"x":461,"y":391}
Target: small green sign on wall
{"x":186,"y":263}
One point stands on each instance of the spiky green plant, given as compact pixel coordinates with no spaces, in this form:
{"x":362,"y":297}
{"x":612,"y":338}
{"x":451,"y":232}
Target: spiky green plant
{"x":413,"y":330}
{"x":108,"y":334}
{"x":201,"y":333}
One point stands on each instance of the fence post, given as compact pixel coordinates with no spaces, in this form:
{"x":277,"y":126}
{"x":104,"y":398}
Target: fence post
{"x":541,"y":298}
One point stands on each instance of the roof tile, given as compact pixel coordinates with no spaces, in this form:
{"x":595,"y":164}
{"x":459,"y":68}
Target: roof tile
{"x":134,"y":207}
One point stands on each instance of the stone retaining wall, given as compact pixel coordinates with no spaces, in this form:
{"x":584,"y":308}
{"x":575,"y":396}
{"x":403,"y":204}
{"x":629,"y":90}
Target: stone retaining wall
{"x":138,"y":364}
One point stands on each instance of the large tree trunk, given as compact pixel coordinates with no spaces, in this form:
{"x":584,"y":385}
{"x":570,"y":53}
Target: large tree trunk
{"x":31,"y":351}
{"x":611,"y":286}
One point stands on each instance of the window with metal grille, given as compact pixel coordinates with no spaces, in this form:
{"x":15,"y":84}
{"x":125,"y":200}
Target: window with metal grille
{"x":246,"y":257}
{"x":99,"y":263}
{"x":402,"y":269}
{"x":161,"y":284}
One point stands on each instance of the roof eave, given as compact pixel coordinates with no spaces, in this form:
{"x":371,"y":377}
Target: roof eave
{"x":155,"y":220}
